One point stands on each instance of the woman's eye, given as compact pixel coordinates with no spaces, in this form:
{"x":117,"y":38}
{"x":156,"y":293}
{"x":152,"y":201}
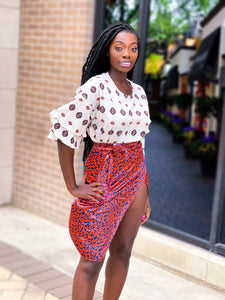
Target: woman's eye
{"x":118,"y":48}
{"x":134,"y":49}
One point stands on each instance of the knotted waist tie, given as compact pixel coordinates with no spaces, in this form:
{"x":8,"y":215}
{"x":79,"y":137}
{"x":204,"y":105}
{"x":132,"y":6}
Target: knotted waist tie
{"x":115,"y":159}
{"x":114,"y":148}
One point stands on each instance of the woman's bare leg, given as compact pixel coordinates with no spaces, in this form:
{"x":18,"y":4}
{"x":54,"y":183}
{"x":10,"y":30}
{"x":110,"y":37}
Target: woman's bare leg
{"x":121,"y":247}
{"x":85,"y":279}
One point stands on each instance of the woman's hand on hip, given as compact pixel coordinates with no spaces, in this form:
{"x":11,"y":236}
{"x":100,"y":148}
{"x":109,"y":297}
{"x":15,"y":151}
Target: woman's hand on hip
{"x":93,"y":191}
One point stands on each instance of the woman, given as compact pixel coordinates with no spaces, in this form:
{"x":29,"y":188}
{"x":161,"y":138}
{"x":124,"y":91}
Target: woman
{"x":112,"y":200}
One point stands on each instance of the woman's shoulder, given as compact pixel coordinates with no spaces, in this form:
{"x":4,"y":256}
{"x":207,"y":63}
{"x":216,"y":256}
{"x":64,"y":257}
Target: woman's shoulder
{"x":92,"y":84}
{"x":136,"y":86}
{"x":138,"y":89}
{"x":97,"y":78}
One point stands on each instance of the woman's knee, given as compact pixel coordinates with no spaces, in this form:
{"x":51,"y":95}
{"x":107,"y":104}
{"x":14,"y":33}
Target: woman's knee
{"x":90,"y":268}
{"x":122,"y":251}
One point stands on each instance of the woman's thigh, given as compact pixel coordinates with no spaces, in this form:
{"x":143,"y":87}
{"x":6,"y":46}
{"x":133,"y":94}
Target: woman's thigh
{"x":131,"y":222}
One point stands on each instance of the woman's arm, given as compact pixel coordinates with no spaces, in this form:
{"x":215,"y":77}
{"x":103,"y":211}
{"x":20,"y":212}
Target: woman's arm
{"x":66,"y":158}
{"x":83,"y":190}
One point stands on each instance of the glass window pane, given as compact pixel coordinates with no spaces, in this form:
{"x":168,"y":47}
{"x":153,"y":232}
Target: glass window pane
{"x":180,"y":196}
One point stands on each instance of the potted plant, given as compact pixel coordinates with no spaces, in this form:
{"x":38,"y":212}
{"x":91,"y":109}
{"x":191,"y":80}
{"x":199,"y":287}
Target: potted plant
{"x":168,"y":121}
{"x":159,"y":114}
{"x":177,"y":126}
{"x":208,"y":155}
{"x":203,"y":108}
{"x":191,"y":139}
{"x":171,"y":99}
{"x":162,"y":115}
{"x":183,"y":102}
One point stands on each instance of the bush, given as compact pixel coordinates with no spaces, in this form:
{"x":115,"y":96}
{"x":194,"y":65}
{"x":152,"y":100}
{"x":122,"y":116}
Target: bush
{"x":184,"y":101}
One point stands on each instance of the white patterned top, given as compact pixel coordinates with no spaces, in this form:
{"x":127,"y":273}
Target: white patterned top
{"x":102,"y":110}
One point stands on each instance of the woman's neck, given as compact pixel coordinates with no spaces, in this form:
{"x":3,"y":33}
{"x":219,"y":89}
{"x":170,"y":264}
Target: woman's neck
{"x":119,"y":77}
{"x":121,"y":82}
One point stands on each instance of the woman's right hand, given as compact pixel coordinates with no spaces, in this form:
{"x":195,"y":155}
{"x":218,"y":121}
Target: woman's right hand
{"x":93,"y":191}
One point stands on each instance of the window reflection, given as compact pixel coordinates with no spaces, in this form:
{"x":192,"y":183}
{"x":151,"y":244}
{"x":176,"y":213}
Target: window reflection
{"x":180,"y":196}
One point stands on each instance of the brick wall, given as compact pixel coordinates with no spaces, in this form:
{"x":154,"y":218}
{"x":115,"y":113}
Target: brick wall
{"x":55,"y":37}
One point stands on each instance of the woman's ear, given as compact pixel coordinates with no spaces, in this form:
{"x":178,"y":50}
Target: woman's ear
{"x":107,"y":53}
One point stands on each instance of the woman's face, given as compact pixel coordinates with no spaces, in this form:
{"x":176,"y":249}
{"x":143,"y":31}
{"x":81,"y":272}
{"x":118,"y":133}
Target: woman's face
{"x":123,"y":52}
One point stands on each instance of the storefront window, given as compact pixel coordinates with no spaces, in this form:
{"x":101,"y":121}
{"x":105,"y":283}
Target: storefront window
{"x":181,"y":192}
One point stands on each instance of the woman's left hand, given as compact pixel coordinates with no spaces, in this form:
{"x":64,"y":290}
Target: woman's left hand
{"x":147,"y":211}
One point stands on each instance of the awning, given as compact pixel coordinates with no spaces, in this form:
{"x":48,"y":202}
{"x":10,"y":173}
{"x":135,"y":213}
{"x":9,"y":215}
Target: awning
{"x":172,"y":79}
{"x":205,"y":63}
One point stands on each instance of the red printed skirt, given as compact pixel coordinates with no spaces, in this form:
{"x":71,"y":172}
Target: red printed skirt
{"x":122,"y":167}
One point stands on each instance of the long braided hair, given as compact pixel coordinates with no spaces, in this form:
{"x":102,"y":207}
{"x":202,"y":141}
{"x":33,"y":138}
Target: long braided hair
{"x":98,"y":62}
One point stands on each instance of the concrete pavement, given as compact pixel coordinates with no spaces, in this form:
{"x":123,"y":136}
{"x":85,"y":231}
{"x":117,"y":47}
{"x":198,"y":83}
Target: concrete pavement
{"x":50,"y":245}
{"x":15,"y":287}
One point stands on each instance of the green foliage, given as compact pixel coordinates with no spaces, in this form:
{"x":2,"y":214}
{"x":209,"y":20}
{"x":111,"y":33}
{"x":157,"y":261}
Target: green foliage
{"x":171,"y":99}
{"x":209,"y":147}
{"x":180,"y":100}
{"x":163,"y":26}
{"x":121,"y":10}
{"x":192,"y":140}
{"x":168,"y":18}
{"x":189,"y":136}
{"x":184,"y":100}
{"x":217,"y":105}
{"x":204,"y":105}
{"x":192,"y":148}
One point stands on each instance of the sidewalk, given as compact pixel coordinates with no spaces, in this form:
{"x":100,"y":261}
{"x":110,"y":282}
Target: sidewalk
{"x":22,"y":277}
{"x":31,"y":271}
{"x":16,"y":287}
{"x":43,"y":256}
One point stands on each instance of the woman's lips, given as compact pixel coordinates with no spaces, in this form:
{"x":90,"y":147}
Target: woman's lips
{"x":125,"y":64}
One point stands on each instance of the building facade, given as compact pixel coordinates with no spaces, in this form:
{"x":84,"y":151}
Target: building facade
{"x":42,"y":53}
{"x":41,"y":63}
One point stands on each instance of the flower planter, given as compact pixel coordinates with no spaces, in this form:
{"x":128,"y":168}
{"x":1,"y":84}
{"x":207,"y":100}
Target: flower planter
{"x":208,"y":166}
{"x":208,"y":155}
{"x":191,"y":149}
{"x":177,"y":138}
{"x":187,"y":151}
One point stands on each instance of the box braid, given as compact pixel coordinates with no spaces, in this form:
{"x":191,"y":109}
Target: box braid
{"x":98,"y":62}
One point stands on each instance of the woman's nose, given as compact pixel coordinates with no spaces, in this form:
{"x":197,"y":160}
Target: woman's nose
{"x":126,"y":53}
